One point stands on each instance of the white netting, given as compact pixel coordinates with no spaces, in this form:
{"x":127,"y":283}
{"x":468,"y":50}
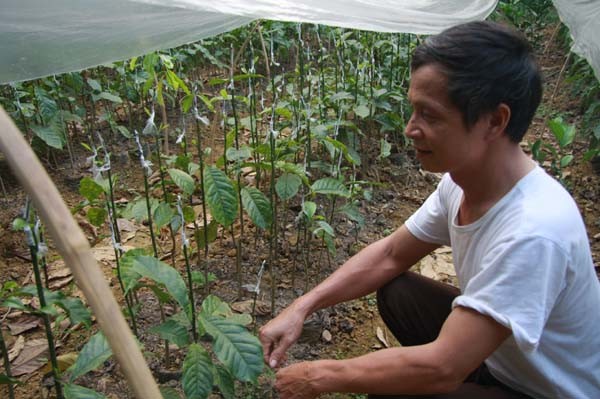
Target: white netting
{"x":41,"y":37}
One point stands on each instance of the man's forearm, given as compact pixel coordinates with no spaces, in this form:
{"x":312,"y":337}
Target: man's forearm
{"x":365,"y":272}
{"x":405,"y":370}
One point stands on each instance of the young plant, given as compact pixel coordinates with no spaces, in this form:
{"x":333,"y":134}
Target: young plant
{"x":559,"y":158}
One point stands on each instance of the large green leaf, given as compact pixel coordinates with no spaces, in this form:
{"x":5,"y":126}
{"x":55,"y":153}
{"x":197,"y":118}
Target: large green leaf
{"x":77,"y":311}
{"x":184,"y":181}
{"x":128,"y":275}
{"x":96,"y":216}
{"x":162,"y":214}
{"x":220,"y":196}
{"x":169,"y":393}
{"x":90,"y":189}
{"x":330,"y":186}
{"x":213,"y":306}
{"x":211,"y":233}
{"x":72,"y":391}
{"x":257,"y":206}
{"x":224,"y":380}
{"x":287,"y":185}
{"x":160,"y":272}
{"x":109,"y":96}
{"x":197,"y":377}
{"x":173,"y":331}
{"x":240,"y":351}
{"x":93,"y":354}
{"x":50,"y":135}
{"x":138,"y":210}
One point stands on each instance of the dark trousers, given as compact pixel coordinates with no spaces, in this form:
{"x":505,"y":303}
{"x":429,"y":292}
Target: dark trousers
{"x":414,"y":308}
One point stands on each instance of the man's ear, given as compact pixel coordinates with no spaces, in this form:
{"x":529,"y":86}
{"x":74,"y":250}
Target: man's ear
{"x":498,"y":121}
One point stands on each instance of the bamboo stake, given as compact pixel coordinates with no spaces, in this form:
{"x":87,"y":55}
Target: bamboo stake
{"x":74,"y":248}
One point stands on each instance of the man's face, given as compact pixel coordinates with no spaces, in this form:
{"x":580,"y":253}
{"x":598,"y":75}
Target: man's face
{"x":441,"y":139}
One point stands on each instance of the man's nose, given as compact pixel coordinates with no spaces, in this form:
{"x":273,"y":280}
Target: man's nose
{"x":411,"y":130}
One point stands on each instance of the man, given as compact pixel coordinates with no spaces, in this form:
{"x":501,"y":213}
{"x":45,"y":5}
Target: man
{"x":526,"y":321}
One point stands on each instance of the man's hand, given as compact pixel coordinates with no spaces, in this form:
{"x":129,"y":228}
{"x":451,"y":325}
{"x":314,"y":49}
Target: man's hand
{"x":280,"y":333}
{"x":294,"y":382}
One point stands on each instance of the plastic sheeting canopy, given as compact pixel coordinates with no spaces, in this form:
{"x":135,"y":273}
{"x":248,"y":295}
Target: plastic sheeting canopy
{"x":40,"y":37}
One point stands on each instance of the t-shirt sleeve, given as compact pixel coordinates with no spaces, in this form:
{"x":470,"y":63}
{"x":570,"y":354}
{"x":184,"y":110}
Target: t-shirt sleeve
{"x":518,"y":285}
{"x":430,"y":222}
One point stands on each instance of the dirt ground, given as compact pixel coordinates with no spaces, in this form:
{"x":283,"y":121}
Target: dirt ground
{"x":342,"y":331}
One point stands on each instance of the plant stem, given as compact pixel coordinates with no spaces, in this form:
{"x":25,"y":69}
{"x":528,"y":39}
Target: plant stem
{"x":33,"y":248}
{"x":238,"y":173}
{"x":203,"y":198}
{"x":4,"y":350}
{"x":166,"y":199}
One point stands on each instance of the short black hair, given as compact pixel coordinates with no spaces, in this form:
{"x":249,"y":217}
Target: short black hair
{"x":486,"y":64}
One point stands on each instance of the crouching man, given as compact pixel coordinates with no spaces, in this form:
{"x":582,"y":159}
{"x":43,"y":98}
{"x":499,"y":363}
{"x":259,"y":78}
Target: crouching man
{"x":526,"y":321}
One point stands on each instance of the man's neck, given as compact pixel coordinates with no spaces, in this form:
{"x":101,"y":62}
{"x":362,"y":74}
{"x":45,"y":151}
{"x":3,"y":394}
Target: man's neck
{"x":484,"y":185}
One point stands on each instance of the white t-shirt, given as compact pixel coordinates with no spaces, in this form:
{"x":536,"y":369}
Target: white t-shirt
{"x":527,"y":264}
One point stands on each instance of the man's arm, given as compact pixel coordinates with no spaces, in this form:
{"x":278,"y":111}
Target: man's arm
{"x":368,"y":270}
{"x":467,"y":338}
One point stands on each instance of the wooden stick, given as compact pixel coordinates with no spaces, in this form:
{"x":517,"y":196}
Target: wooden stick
{"x":77,"y":254}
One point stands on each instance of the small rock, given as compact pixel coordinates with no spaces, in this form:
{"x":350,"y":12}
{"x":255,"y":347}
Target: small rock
{"x":326,"y":336}
{"x":346,"y":326}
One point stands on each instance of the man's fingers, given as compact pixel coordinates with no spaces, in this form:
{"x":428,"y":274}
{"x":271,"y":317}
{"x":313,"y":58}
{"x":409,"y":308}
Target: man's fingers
{"x":278,"y":354}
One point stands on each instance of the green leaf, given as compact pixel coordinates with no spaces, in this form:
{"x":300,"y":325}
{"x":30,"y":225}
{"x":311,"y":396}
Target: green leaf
{"x":49,"y":135}
{"x":341,"y":95}
{"x":169,"y":393}
{"x":234,"y":155}
{"x":138,"y":209}
{"x":324,"y":228}
{"x":162,"y":215}
{"x":353,"y":213}
{"x":184,"y":181}
{"x":309,"y":208}
{"x":257,"y":206}
{"x":287,"y":185}
{"x":224,"y":380}
{"x":566,"y":160}
{"x":362,"y":111}
{"x":188,"y":214}
{"x":90,"y":189}
{"x":95,"y":352}
{"x":19,"y":224}
{"x":220,"y":196}
{"x":4,"y":379}
{"x":235,"y":347}
{"x":563,"y":132}
{"x":154,"y":269}
{"x":213,"y":306}
{"x":96,"y":216}
{"x":386,"y":149}
{"x":94,"y":84}
{"x":330,"y":186}
{"x":72,"y":391}
{"x":211,"y":233}
{"x":173,"y":331}
{"x":110,"y":97}
{"x":129,"y":276}
{"x":197,"y":377}
{"x":77,"y":311}
{"x":199,"y":279}
{"x":14,"y":303}
{"x":187,"y":102}
{"x":124,"y":131}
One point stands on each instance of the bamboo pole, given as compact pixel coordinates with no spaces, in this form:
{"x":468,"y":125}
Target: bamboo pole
{"x":75,"y":250}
